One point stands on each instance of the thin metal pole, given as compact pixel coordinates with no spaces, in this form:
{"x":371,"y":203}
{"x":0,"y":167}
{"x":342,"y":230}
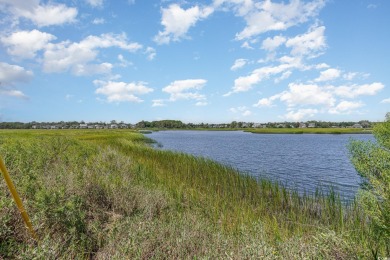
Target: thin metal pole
{"x":17,"y":199}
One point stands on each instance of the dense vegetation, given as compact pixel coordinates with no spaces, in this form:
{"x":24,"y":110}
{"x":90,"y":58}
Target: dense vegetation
{"x":372,"y":161}
{"x":107,"y":194}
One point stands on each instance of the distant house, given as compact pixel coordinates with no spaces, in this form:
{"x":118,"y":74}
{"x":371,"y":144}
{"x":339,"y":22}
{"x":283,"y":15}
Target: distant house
{"x":123,"y":126}
{"x":311,"y":125}
{"x":34,"y":127}
{"x":83,"y":126}
{"x":53,"y":127}
{"x":114,"y":126}
{"x":302,"y":125}
{"x":91,"y":127}
{"x":357,"y":126}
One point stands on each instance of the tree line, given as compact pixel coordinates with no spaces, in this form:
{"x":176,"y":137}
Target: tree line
{"x":177,"y":124}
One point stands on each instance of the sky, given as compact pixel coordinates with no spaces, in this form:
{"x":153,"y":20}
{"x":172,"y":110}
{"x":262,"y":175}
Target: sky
{"x":212,"y":61}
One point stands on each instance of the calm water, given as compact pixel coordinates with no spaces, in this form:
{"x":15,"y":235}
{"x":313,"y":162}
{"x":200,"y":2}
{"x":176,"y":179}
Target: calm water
{"x":303,"y":161}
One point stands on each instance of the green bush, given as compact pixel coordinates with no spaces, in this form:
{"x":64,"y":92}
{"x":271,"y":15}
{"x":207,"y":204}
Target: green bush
{"x":372,"y":161}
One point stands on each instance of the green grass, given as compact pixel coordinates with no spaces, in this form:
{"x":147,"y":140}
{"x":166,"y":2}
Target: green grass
{"x":309,"y":131}
{"x":107,"y":194}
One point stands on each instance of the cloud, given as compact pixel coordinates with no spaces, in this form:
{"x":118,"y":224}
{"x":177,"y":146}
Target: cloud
{"x":12,"y":74}
{"x":123,"y":62}
{"x":321,"y":66}
{"x":122,"y":91}
{"x":300,"y":114}
{"x":358,"y":90}
{"x":270,"y":44}
{"x":306,"y":94}
{"x":186,"y":89}
{"x":239,"y":63}
{"x":243,"y":110}
{"x":350,"y":75}
{"x":178,"y":21}
{"x":268,"y":16}
{"x":41,"y":14}
{"x":77,"y":56}
{"x":13,"y":93}
{"x":158,"y":103}
{"x":25,"y":44}
{"x":201,"y":103}
{"x":246,"y":45}
{"x":329,"y":74}
{"x":98,"y":21}
{"x":299,"y":94}
{"x":151,"y":53}
{"x":310,"y":44}
{"x":245,"y":83}
{"x":91,"y":69}
{"x":95,"y":3}
{"x":345,"y":107}
{"x":264,"y":102}
{"x":385,"y":101}
{"x":240,"y":7}
{"x":284,"y":76}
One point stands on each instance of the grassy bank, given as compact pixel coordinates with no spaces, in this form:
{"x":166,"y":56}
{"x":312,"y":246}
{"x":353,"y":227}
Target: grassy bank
{"x":309,"y":131}
{"x":106,"y":194}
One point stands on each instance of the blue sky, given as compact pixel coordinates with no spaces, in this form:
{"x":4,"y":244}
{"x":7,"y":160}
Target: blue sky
{"x":209,"y":61}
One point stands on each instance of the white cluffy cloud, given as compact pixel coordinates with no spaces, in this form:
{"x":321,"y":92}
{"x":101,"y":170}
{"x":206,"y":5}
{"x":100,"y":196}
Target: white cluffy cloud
{"x":307,"y":45}
{"x":239,"y":63}
{"x":77,"y":56}
{"x":300,"y":114}
{"x":95,"y":3}
{"x":325,"y":98}
{"x":268,"y":16}
{"x":158,"y":103}
{"x":358,"y":90}
{"x":329,"y":74}
{"x":310,"y":44}
{"x":270,"y":44}
{"x":245,"y":83}
{"x":13,"y":74}
{"x":39,"y":13}
{"x":122,"y":91}
{"x":25,"y":44}
{"x":186,"y":89}
{"x":177,"y":21}
{"x":98,"y":21}
{"x":387,"y":100}
{"x":10,"y":75}
{"x":243,"y":110}
{"x":345,"y":107}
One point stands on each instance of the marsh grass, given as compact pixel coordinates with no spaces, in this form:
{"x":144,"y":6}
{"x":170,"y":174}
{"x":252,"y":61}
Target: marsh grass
{"x":106,"y":194}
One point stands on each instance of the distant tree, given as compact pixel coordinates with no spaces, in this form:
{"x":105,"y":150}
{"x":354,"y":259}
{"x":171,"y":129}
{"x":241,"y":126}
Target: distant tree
{"x":372,"y":162}
{"x":233,"y":124}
